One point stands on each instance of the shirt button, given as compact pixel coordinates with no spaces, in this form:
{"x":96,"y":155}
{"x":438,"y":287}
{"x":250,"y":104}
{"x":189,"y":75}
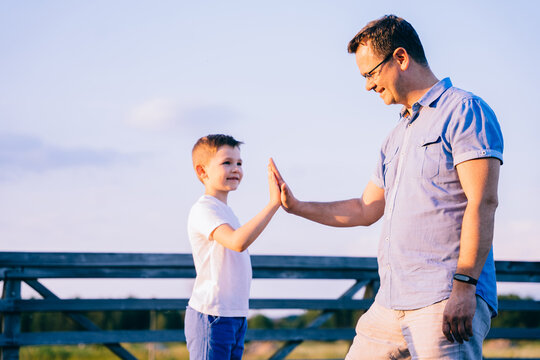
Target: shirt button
{"x":387,"y":239}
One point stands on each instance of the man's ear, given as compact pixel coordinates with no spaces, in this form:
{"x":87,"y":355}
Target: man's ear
{"x":403,"y":58}
{"x":201,"y":172}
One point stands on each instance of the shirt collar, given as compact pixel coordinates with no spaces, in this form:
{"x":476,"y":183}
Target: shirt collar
{"x":430,"y":96}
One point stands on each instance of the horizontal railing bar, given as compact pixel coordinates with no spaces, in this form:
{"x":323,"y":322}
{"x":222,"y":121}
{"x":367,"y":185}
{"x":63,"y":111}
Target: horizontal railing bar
{"x":46,"y":259}
{"x":52,"y":305}
{"x":114,"y":260}
{"x":300,"y":334}
{"x":171,"y":304}
{"x":518,"y":278}
{"x":99,"y":273}
{"x":519,"y":305}
{"x":514,"y":333}
{"x":189,"y":273}
{"x":156,"y":260}
{"x":524,"y":267}
{"x":139,"y":336}
{"x":96,"y":273}
{"x":93,"y":337}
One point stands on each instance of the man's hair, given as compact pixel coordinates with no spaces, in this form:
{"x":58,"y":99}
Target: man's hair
{"x":207,"y":146}
{"x":387,"y":34}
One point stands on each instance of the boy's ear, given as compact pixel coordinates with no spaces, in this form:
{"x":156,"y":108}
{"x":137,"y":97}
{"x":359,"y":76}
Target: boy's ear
{"x":201,"y":172}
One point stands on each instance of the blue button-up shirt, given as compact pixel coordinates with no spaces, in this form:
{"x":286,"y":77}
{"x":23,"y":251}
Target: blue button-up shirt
{"x":425,"y":203}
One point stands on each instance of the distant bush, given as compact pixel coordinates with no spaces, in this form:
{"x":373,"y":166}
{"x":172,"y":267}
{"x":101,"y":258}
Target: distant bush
{"x":516,"y":319}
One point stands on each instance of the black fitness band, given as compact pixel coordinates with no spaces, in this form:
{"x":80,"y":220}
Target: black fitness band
{"x":465,"y":278}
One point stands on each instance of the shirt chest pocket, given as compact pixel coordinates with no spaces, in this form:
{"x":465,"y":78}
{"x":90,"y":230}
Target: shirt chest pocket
{"x":430,"y":153}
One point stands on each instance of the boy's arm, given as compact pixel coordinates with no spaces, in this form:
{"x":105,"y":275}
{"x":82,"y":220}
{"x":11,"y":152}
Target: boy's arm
{"x":241,"y":238}
{"x":346,"y":213}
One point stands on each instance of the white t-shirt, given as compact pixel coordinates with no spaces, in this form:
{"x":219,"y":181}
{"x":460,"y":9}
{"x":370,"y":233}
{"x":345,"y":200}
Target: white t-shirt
{"x":223,"y":275}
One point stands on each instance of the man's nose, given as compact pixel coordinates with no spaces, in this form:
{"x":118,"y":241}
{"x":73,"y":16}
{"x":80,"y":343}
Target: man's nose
{"x":370,"y":85}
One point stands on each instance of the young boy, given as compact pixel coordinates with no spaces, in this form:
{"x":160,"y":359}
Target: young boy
{"x":215,"y":322}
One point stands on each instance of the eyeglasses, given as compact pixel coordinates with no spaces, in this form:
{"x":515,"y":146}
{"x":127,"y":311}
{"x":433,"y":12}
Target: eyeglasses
{"x":369,"y":74}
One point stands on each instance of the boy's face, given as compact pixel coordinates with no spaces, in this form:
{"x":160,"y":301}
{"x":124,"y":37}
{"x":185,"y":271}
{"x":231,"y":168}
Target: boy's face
{"x":223,"y":172}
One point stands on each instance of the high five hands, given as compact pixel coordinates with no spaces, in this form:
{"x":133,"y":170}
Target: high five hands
{"x":288,"y":201}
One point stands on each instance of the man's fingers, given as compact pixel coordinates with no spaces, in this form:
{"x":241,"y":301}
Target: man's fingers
{"x":285,"y":197}
{"x":285,"y":192}
{"x":455,"y":331}
{"x":447,"y":331}
{"x":468,"y":327}
{"x":463,"y":331}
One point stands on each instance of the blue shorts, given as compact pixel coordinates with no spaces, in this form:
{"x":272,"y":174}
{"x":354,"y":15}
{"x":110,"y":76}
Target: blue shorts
{"x":214,"y":337}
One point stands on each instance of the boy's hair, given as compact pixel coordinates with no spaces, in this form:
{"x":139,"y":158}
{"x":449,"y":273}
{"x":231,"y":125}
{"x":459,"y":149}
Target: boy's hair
{"x":207,"y":146}
{"x":387,"y":34}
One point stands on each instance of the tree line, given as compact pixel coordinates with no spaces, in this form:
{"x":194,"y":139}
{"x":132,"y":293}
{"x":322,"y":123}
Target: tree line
{"x":171,"y":320}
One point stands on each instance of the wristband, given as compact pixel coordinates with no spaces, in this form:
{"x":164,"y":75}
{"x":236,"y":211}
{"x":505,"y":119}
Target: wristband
{"x":465,"y":278}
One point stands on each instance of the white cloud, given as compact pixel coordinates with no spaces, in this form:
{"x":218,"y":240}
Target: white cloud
{"x":23,"y":153}
{"x":161,"y":114}
{"x":154,"y":114}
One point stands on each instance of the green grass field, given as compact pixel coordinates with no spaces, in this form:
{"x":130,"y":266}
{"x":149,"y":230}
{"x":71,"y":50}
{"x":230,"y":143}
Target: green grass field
{"x":254,"y":351}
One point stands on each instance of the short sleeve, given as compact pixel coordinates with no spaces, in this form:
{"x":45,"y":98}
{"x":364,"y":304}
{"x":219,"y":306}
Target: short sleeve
{"x":205,"y":217}
{"x":474,"y":132}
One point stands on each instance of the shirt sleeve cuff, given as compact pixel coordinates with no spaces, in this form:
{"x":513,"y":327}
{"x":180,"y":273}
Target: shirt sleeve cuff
{"x":478,"y":154}
{"x":213,"y":227}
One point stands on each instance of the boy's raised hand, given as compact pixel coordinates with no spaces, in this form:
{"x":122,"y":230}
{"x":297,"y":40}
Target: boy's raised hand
{"x":275,"y":193}
{"x":288,"y":201}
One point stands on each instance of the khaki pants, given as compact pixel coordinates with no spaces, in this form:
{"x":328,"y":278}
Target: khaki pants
{"x":383,"y":333}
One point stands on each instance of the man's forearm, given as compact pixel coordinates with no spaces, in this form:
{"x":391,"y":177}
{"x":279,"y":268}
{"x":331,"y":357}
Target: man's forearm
{"x":476,"y":237}
{"x":345,"y":213}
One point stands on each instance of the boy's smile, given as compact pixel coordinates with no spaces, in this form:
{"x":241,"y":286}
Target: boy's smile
{"x":223,"y":173}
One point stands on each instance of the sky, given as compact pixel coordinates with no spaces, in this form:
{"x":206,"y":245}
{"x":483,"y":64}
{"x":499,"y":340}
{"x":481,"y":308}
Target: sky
{"x":101,"y":103}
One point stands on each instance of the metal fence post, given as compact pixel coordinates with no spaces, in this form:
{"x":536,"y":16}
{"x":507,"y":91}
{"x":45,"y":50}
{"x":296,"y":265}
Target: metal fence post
{"x":11,"y":321}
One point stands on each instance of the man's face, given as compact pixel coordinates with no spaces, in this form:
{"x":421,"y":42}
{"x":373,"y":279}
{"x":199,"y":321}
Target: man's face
{"x":382,"y":78}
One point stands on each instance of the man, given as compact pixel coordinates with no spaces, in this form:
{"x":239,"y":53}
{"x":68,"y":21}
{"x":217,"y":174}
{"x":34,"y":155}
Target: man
{"x":436,"y":188}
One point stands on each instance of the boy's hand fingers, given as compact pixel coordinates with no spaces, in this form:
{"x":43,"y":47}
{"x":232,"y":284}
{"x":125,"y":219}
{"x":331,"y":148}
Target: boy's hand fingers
{"x":276,"y":171}
{"x":272,"y":177}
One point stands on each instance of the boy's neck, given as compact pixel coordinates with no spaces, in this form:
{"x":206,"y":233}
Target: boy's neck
{"x":220,"y":195}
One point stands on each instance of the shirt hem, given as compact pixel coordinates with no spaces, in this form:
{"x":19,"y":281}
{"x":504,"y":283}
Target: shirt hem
{"x":219,"y":312}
